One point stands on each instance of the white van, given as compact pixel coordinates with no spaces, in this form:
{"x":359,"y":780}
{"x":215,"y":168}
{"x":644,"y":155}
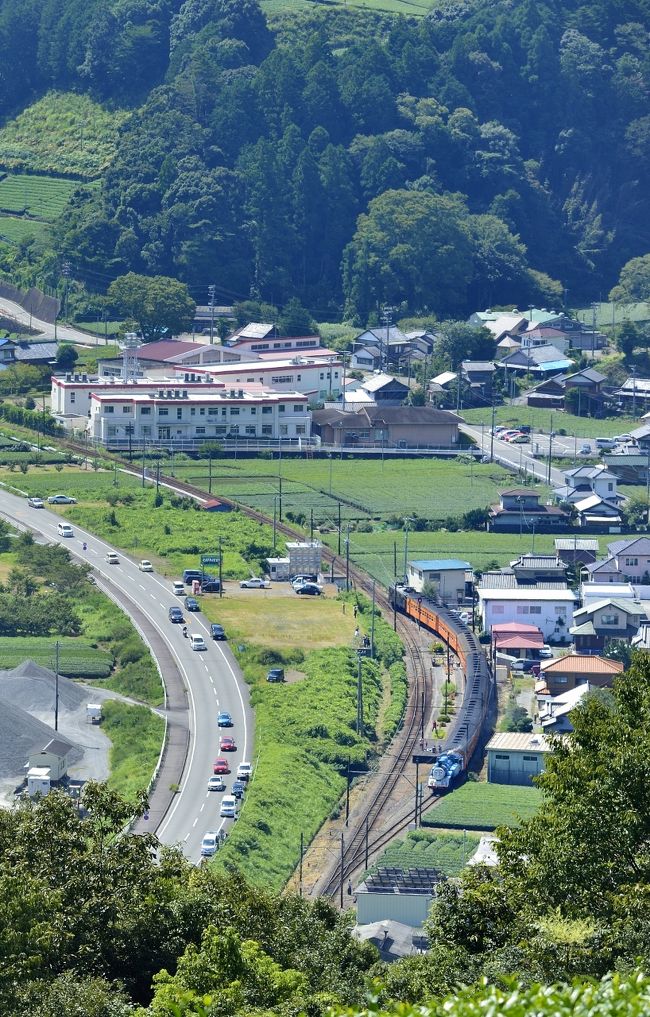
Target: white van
{"x":608,"y":444}
{"x":179,"y":588}
{"x":197,"y":642}
{"x":65,"y":530}
{"x":228,"y":807}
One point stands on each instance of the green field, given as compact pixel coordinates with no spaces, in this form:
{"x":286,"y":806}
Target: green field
{"x":546,"y":420}
{"x":480,"y":806}
{"x":62,"y":133}
{"x":76,"y":659}
{"x":40,"y":197}
{"x":448,"y":852}
{"x":613,"y":314}
{"x":137,"y":735}
{"x":14,"y":230}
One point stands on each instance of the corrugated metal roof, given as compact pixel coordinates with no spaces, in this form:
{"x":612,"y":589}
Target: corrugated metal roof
{"x":440,"y":564}
{"x":580,"y":544}
{"x":519,"y":742}
{"x":582,"y":663}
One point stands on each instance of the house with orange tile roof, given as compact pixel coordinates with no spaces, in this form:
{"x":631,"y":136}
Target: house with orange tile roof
{"x":564,"y":673}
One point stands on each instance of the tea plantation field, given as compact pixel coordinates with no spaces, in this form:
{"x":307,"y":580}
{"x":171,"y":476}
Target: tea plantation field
{"x":480,"y":806}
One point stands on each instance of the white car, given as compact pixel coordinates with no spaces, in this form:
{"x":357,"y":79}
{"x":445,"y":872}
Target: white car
{"x":216,"y":783}
{"x":145,"y":566}
{"x":36,"y":503}
{"x":228,"y":807}
{"x":546,"y":652}
{"x":209,"y":844}
{"x":197,"y":642}
{"x":112,"y":558}
{"x":244,"y":771}
{"x":254,"y":583}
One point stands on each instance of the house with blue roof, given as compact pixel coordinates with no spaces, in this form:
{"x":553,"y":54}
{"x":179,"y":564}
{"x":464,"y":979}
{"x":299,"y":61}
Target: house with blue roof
{"x":446,"y":575}
{"x":537,"y":360}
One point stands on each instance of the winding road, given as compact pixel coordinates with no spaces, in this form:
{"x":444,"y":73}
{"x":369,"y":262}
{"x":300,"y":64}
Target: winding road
{"x":199,"y":683}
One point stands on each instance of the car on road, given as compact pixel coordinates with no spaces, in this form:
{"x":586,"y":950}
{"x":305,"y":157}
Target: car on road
{"x":65,"y":530}
{"x":276,"y":674}
{"x":546,"y":652}
{"x":224,"y":719}
{"x":209,"y":844}
{"x":178,"y":588}
{"x":197,"y":642}
{"x":228,"y":807}
{"x":176,"y":615}
{"x":191,"y":604}
{"x":244,"y":771}
{"x":36,"y":503}
{"x":254,"y":583}
{"x":585,"y":450}
{"x":61,"y":499}
{"x":145,"y":566}
{"x":309,"y":590}
{"x":227,"y":744}
{"x":238,"y":788}
{"x":221,"y":765}
{"x":216,"y":783}
{"x":112,"y":558}
{"x":217,"y":631}
{"x":211,"y":586}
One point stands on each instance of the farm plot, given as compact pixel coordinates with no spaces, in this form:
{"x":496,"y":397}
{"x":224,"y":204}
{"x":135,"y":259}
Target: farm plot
{"x":76,"y":660}
{"x":448,"y":852}
{"x":39,"y":197}
{"x":480,"y":806}
{"x":14,"y":230}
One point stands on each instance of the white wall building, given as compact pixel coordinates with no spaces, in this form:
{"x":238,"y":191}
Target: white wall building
{"x":71,"y":393}
{"x":550,"y":610}
{"x":184,"y":417}
{"x":315,"y":379}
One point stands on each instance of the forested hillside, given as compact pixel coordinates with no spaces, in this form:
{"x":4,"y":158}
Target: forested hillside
{"x":495,"y":150}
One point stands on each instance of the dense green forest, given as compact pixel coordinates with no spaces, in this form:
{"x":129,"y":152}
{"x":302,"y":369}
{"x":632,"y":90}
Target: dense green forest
{"x":469,"y":157}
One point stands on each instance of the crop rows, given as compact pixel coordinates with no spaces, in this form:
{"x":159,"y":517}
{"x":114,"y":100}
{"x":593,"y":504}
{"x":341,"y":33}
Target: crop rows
{"x":43,"y":197}
{"x":480,"y":806}
{"x":76,"y":660}
{"x":14,"y":230}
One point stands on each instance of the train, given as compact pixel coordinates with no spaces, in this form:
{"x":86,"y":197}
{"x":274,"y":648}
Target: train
{"x":465,"y":729}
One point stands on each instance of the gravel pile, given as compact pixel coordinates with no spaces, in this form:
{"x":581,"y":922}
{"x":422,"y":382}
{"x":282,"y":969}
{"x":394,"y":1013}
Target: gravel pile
{"x":32,"y":688}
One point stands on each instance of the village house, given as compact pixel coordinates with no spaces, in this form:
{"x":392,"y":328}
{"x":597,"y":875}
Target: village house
{"x":547,"y":605}
{"x":576,"y":551}
{"x":519,"y":510}
{"x":538,"y":361}
{"x":555,"y":711}
{"x":627,"y":561}
{"x":517,"y":639}
{"x":388,"y":427}
{"x":590,"y":386}
{"x":385,"y":390}
{"x":515,"y":758}
{"x":574,"y":669}
{"x":602,"y":620}
{"x":447,"y":576}
{"x":581,"y":481}
{"x":476,"y":381}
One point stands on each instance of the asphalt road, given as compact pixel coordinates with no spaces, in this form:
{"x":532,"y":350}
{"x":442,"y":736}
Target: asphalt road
{"x":65,"y":333}
{"x":211,"y":677}
{"x":516,"y":457}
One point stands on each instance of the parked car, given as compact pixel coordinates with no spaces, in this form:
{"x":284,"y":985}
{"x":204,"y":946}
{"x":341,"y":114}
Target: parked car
{"x":197,"y":642}
{"x":227,"y":744}
{"x":546,"y":652}
{"x":61,"y":499}
{"x":238,"y":788}
{"x":606,"y":444}
{"x":228,"y":807}
{"x":254,"y":583}
{"x":620,"y":438}
{"x":309,"y":589}
{"x":224,"y":719}
{"x":276,"y":674}
{"x":244,"y":771}
{"x":585,"y":450}
{"x":178,"y":588}
{"x":36,"y":503}
{"x":209,"y":844}
{"x":303,"y":578}
{"x":217,"y":631}
{"x":112,"y":558}
{"x":145,"y":566}
{"x":221,"y":765}
{"x":520,"y":439}
{"x":211,"y":586}
{"x":176,"y":615}
{"x":525,"y":664}
{"x":191,"y":604}
{"x":525,"y":428}
{"x":189,"y":575}
{"x":216,"y":783}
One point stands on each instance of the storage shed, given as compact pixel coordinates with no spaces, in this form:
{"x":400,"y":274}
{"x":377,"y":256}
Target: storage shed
{"x":401,"y":895}
{"x":515,"y":758}
{"x":57,"y":755}
{"x":447,"y":575}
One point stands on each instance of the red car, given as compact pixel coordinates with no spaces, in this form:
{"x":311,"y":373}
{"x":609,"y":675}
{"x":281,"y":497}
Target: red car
{"x":227,"y":744}
{"x":221,"y":766}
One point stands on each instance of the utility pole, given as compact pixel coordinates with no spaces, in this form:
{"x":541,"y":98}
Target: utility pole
{"x":65,"y":270}
{"x":342,"y":868}
{"x":280,"y":499}
{"x":302,"y":851}
{"x":211,"y":292}
{"x":387,"y":320}
{"x":157,"y":476}
{"x":275,"y":518}
{"x":210,"y":472}
{"x":311,"y":524}
{"x":56,"y":685}
{"x":220,"y":568}
{"x":494,"y":410}
{"x":372,"y":624}
{"x":417,"y":792}
{"x":550,"y":451}
{"x":347,"y":560}
{"x":407,"y":520}
{"x":339,"y":528}
{"x":144,"y":446}
{"x":359,"y":696}
{"x":347,"y":793}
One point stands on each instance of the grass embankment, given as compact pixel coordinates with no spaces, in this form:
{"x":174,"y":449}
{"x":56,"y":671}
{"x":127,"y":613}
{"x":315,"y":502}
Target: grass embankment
{"x":546,"y":420}
{"x":448,"y":852}
{"x":480,"y":806}
{"x":306,"y":729}
{"x":136,"y":733}
{"x":62,"y":133}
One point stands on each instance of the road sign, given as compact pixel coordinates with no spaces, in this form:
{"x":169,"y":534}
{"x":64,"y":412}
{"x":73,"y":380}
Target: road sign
{"x":210,"y":559}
